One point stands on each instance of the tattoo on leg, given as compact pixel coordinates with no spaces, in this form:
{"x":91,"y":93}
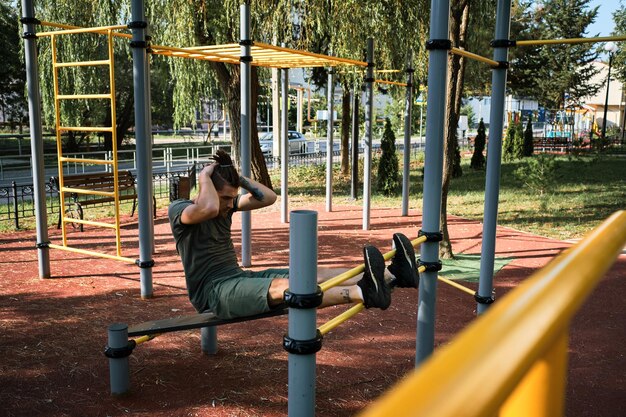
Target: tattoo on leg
{"x":345,"y":293}
{"x":256,"y":193}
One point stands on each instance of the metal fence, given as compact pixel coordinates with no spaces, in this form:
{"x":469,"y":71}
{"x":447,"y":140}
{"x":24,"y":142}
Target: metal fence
{"x":16,"y":200}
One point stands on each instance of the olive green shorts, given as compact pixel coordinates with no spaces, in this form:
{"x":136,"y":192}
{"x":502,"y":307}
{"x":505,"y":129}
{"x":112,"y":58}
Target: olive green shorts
{"x":244,"y":294}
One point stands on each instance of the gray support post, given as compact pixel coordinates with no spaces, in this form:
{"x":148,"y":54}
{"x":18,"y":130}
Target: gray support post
{"x":300,"y":93}
{"x":143,"y":145}
{"x":36,"y":137}
{"x":433,"y":164}
{"x":119,"y":372}
{"x":494,"y":150}
{"x":369,"y":121}
{"x":208,"y":340}
{"x":149,"y":137}
{"x":354,"y":185}
{"x":246,"y":110}
{"x":303,"y":340}
{"x":330,"y":91}
{"x":276,"y":112}
{"x":408,"y":113}
{"x":284,"y":145}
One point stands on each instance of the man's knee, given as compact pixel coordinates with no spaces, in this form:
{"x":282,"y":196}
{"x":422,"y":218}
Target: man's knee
{"x":276,"y":292}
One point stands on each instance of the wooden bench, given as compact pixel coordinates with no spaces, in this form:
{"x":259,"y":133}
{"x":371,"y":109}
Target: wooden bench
{"x":99,"y":181}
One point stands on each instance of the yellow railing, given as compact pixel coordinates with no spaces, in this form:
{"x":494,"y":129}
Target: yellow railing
{"x":512,"y":361}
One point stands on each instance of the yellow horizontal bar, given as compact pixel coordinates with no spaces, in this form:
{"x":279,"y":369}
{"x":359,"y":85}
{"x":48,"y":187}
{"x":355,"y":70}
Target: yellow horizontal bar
{"x":332,"y":323}
{"x":456,"y":285}
{"x":570,"y":40}
{"x":471,"y":55}
{"x":333,"y":282}
{"x":87,"y":191}
{"x":86,"y":161}
{"x":98,"y":29}
{"x":501,"y":346}
{"x":85,"y":129}
{"x":64,"y":26}
{"x":391,"y":82}
{"x":90,"y":223}
{"x":336,"y":60}
{"x":92,"y":253}
{"x":81,"y":96}
{"x":82,"y":63}
{"x":146,"y":338}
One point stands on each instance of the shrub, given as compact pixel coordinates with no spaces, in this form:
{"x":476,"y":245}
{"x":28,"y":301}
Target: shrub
{"x":478,"y":159}
{"x":538,"y":173}
{"x":528,"y":138}
{"x":388,"y":167}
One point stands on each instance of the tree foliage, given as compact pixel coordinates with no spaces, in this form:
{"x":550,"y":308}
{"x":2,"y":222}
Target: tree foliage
{"x":550,"y":72}
{"x":619,"y":59}
{"x":388,"y":167}
{"x":12,"y":72}
{"x":528,"y":138}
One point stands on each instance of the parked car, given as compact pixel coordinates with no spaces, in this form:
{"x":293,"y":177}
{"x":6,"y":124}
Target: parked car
{"x":297,"y":143}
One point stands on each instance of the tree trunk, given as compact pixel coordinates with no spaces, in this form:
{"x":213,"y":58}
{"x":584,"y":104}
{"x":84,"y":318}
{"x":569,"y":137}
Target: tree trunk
{"x":230,"y":85}
{"x":345,"y":131}
{"x":459,"y":15}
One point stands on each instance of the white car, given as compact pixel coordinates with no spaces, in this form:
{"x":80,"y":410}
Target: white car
{"x":297,"y":143}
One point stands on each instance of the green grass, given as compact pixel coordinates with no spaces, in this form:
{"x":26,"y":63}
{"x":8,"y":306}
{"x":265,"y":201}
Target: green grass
{"x":585,"y":191}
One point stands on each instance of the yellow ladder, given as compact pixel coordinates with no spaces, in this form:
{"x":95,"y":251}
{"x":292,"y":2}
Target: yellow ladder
{"x":108,"y":31}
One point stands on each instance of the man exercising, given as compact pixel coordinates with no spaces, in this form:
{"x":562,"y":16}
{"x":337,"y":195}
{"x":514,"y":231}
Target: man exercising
{"x":202,"y":230}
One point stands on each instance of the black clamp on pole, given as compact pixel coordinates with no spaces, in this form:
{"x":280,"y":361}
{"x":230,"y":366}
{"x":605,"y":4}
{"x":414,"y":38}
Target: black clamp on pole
{"x":122,"y":352}
{"x":430,"y":266}
{"x":303,"y":347}
{"x":502,"y":43}
{"x":144,"y":264}
{"x":484,"y":300}
{"x":137,"y":24}
{"x":302,"y":301}
{"x":434,"y":44}
{"x":502,"y":65}
{"x":431,"y":236}
{"x":42,"y":245}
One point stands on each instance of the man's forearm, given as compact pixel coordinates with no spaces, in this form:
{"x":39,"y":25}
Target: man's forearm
{"x":252,"y":187}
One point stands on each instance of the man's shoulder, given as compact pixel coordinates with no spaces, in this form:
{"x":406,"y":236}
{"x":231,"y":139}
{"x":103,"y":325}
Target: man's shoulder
{"x":176,"y":208}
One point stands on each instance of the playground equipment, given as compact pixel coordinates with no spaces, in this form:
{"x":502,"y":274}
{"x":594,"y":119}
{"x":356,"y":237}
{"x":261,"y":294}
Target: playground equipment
{"x":304,"y":338}
{"x":512,"y":361}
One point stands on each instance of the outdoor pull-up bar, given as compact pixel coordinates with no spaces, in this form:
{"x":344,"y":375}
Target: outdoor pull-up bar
{"x":476,"y":57}
{"x":569,"y":41}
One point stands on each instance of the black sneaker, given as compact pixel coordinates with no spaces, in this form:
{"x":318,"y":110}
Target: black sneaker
{"x":376,"y":292}
{"x":403,"y":265}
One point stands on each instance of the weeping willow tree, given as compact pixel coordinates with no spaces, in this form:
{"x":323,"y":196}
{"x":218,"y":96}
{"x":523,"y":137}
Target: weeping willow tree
{"x":86,"y":79}
{"x":396,"y":26}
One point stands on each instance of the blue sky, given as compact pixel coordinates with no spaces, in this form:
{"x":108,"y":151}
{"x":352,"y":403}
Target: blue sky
{"x":604,"y":21}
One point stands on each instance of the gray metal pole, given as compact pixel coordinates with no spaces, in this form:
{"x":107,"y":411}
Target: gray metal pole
{"x":300,"y":93}
{"x":149,"y":137}
{"x":119,"y":372}
{"x":302,"y":321}
{"x":433,"y":165}
{"x":354,"y":187}
{"x":330,"y":91}
{"x":369,"y":121}
{"x":208,"y":340}
{"x":494,"y":150}
{"x":143,"y":145}
{"x":284,"y":145}
{"x":36,"y":137}
{"x":246,"y":122}
{"x":408,"y":111}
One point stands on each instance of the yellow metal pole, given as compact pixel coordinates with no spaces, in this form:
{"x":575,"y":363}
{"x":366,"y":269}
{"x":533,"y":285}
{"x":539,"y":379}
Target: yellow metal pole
{"x":83,"y":96}
{"x":57,"y":114}
{"x":333,"y":282}
{"x":83,"y":63}
{"x":542,"y":391}
{"x":104,"y":30}
{"x":332,"y":323}
{"x":471,"y":55}
{"x":86,"y":191}
{"x":570,"y":40}
{"x":456,"y":285}
{"x":118,"y":238}
{"x":86,"y":161}
{"x":501,"y":346}
{"x":146,"y":338}
{"x":93,"y":253}
{"x":390,"y":82}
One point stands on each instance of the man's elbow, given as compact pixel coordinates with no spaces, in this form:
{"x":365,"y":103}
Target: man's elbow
{"x":271,"y":198}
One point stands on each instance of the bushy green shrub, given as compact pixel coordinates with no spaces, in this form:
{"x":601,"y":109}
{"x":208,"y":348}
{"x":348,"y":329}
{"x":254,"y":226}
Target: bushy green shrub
{"x":388,"y":167}
{"x":539,"y":173}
